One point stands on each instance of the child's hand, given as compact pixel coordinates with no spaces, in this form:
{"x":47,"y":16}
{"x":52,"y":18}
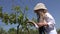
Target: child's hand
{"x":40,"y":24}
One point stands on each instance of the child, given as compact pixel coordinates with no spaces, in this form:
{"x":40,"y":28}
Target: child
{"x":48,"y":20}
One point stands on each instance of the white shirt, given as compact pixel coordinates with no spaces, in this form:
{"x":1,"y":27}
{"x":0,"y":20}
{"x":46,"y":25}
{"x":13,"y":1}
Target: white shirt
{"x":51,"y":24}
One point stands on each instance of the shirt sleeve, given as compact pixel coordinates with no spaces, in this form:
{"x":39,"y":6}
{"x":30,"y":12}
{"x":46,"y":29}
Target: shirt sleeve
{"x":51,"y":21}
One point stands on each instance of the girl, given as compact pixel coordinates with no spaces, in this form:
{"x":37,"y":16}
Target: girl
{"x":45,"y":20}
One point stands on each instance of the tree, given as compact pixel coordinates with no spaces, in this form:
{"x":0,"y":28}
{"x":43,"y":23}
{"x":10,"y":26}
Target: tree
{"x":1,"y":15}
{"x":2,"y":31}
{"x":58,"y":31}
{"x":17,"y":17}
{"x":12,"y":31}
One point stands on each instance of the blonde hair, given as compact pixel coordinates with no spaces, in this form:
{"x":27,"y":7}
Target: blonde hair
{"x":41,"y":14}
{"x":38,"y":11}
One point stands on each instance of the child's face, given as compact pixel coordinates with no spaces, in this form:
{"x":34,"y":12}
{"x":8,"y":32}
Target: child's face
{"x":41,"y":11}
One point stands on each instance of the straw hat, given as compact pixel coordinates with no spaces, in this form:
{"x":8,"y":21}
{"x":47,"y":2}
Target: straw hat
{"x":40,"y":6}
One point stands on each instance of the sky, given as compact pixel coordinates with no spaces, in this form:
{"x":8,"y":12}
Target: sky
{"x":53,"y":7}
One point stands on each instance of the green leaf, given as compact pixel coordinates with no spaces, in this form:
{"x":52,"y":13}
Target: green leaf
{"x":16,"y":8}
{"x":5,"y":18}
{"x":1,"y":15}
{"x":5,"y":21}
{"x":0,"y":8}
{"x":12,"y":19}
{"x":26,"y":8}
{"x":20,"y":18}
